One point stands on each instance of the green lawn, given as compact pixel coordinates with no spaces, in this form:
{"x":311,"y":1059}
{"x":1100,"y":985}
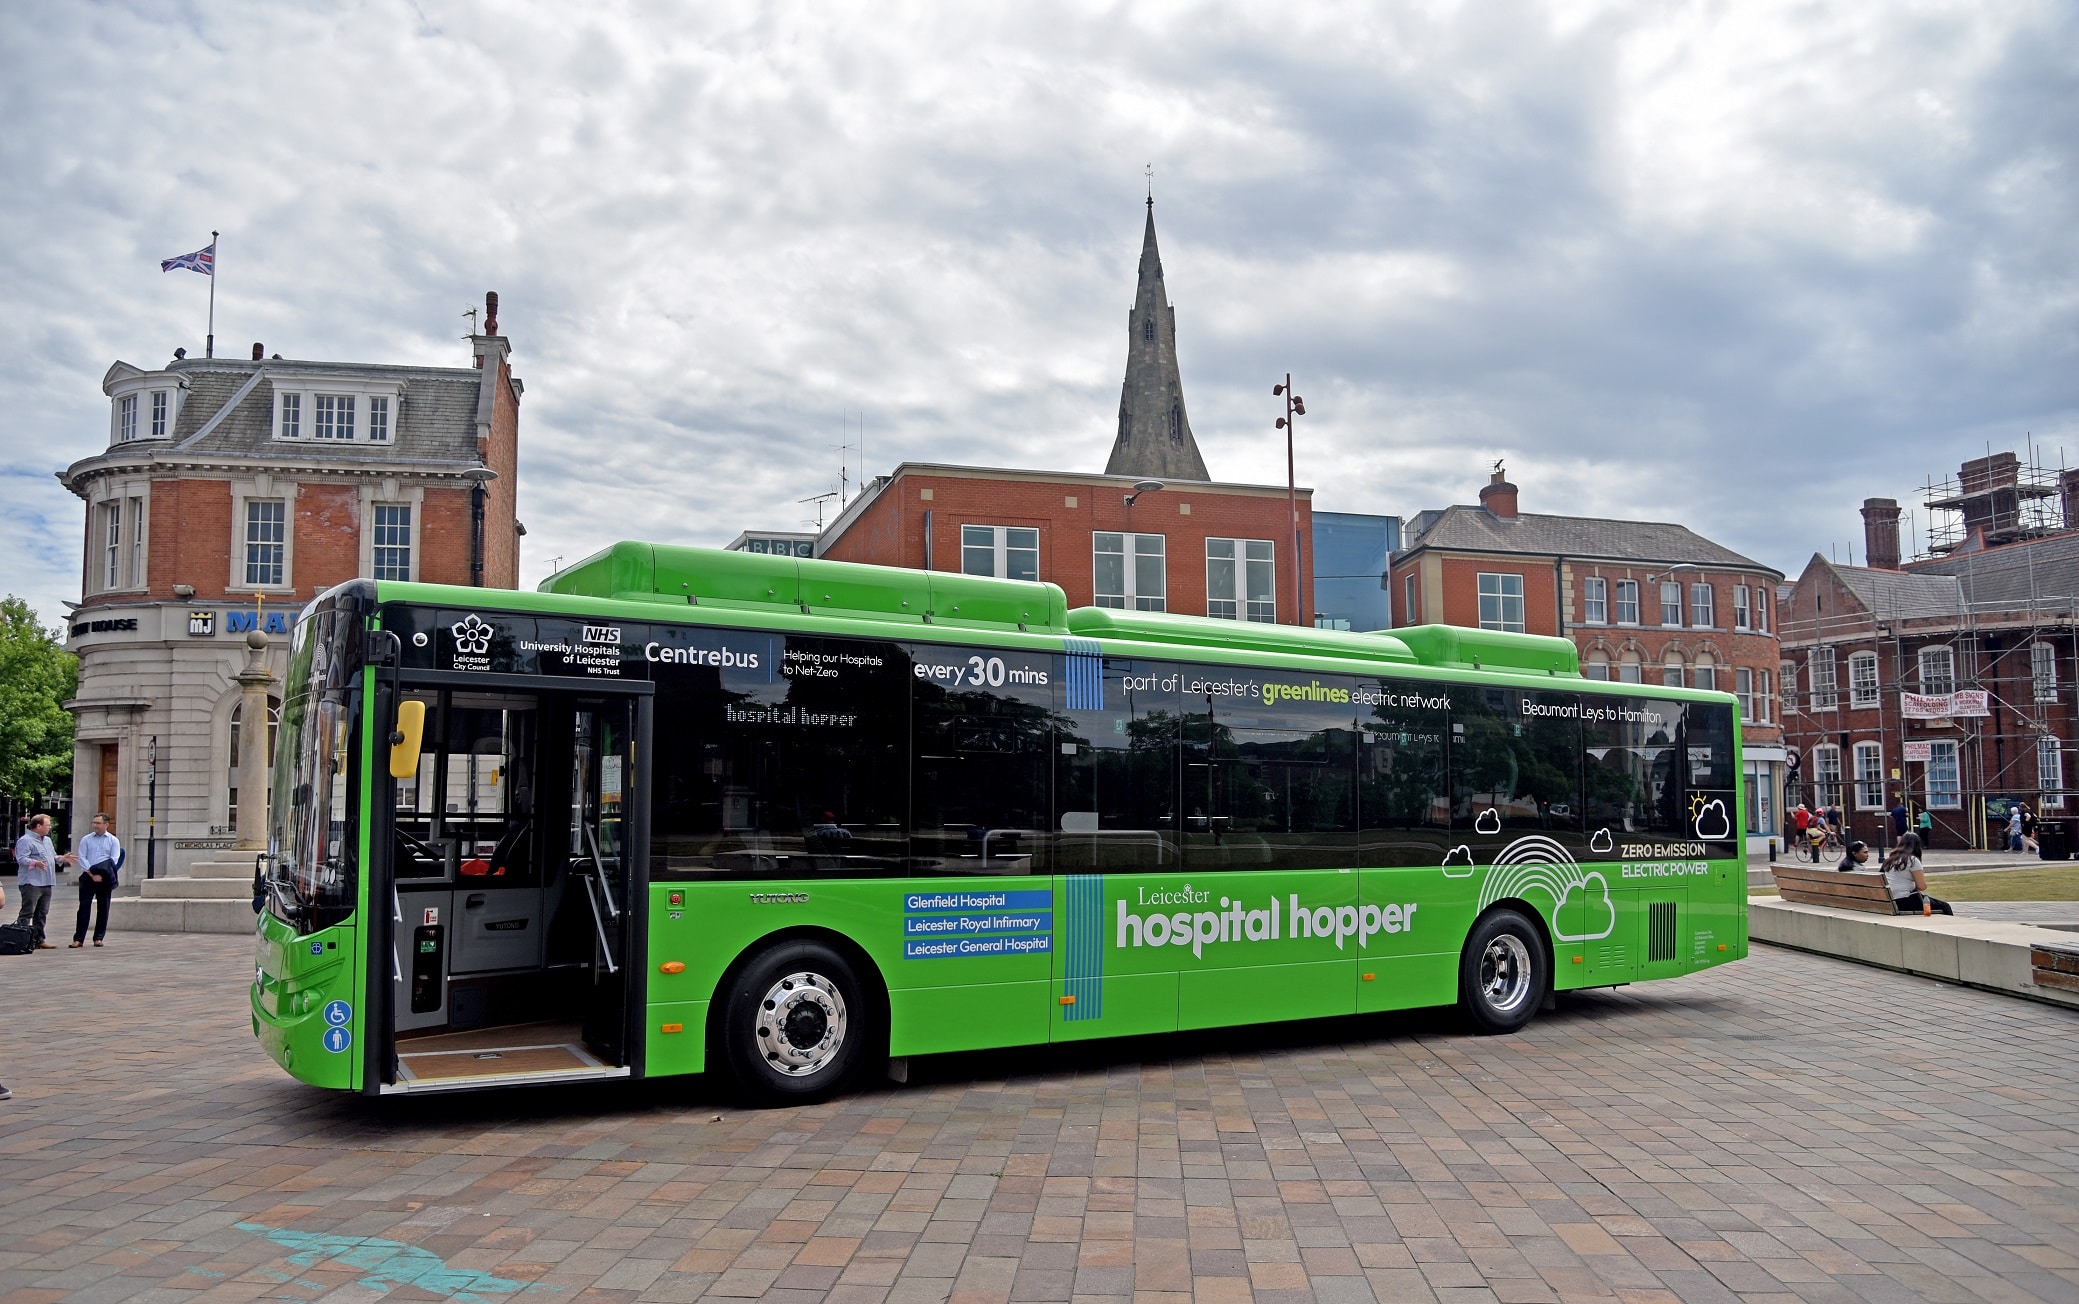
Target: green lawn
{"x":2054,"y":882}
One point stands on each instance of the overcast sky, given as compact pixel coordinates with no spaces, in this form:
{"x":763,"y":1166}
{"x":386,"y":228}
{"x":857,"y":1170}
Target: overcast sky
{"x":1738,"y":265}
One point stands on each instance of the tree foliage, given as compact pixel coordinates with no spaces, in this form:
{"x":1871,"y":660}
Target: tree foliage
{"x":37,"y":675}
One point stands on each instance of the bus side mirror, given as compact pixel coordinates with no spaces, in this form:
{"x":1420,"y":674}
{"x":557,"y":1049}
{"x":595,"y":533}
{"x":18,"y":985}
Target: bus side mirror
{"x":405,"y":740}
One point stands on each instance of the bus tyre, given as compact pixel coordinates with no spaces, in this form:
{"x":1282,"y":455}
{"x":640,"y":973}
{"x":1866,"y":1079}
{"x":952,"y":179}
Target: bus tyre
{"x":794,"y":1026}
{"x":1504,"y":973}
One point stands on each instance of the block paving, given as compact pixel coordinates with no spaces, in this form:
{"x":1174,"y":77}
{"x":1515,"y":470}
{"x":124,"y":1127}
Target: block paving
{"x":1787,"y":1128}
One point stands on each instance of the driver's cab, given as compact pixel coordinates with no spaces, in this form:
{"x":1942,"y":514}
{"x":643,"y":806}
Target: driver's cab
{"x":508,"y":821}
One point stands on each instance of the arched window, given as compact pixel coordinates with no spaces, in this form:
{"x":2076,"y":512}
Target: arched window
{"x":1176,"y":422}
{"x":274,"y":722}
{"x":1598,"y":666}
{"x":1706,"y":671}
{"x":1671,"y":670}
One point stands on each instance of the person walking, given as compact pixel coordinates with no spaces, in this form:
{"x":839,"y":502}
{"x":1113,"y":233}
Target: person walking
{"x":2014,"y":827}
{"x":100,"y":859}
{"x":36,"y":866}
{"x":1898,"y":818}
{"x":2028,"y":830}
{"x":1906,"y":879}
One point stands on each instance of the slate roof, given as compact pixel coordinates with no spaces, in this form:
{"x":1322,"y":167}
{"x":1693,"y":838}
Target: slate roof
{"x":1901,"y":595}
{"x":1475,"y":529}
{"x":2008,"y":577}
{"x":436,"y":420}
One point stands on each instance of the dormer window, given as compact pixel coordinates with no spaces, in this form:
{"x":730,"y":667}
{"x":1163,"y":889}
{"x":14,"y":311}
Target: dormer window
{"x":126,"y":418}
{"x":162,"y":409}
{"x":335,"y":416}
{"x":339,"y":408}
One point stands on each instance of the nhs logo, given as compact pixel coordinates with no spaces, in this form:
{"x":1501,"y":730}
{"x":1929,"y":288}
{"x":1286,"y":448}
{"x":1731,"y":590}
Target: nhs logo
{"x":608,"y":634}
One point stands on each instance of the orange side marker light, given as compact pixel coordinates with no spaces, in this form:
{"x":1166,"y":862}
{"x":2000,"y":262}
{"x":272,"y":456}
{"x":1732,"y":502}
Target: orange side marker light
{"x":672,"y":966}
{"x":1068,"y":1000}
{"x":1577,"y":959}
{"x":1368,"y":977}
{"x":672,"y":1027}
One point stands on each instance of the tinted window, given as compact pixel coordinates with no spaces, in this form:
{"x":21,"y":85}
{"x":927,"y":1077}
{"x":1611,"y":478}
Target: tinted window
{"x":1269,"y":769}
{"x":1404,"y":791}
{"x":1633,"y":767}
{"x":780,"y":756}
{"x":983,"y":732}
{"x":1115,"y":776}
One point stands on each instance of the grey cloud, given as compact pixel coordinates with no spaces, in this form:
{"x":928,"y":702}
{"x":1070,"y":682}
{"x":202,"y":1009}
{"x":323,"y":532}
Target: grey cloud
{"x":1735,"y":267}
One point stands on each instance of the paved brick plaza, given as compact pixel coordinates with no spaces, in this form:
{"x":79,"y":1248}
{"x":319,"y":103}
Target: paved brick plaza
{"x":1743,"y":1134}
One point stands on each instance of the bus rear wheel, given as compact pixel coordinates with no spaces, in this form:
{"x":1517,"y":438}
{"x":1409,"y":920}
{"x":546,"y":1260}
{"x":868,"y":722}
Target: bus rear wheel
{"x":794,"y":1026}
{"x":1503,"y":974}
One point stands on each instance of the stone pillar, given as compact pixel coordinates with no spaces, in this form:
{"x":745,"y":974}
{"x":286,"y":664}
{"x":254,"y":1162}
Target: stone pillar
{"x":254,"y":683}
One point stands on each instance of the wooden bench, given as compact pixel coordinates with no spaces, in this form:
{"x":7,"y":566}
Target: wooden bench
{"x":1854,"y":890}
{"x":2055,"y":966}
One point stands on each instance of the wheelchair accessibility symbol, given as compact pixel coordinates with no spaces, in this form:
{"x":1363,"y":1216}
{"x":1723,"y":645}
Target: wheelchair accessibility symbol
{"x":338,"y":1013}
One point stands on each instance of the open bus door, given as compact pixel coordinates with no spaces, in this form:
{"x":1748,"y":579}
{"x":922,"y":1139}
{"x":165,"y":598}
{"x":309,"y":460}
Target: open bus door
{"x":506,"y":871}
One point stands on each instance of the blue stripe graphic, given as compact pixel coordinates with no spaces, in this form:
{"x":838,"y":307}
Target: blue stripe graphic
{"x":1084,"y":945}
{"x":1085,"y":676}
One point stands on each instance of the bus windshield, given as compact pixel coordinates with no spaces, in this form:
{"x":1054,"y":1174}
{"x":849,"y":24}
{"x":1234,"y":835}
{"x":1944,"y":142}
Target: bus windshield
{"x":311,"y":834}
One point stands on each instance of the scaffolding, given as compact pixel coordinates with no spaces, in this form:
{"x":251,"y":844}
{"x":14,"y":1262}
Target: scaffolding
{"x":1996,"y":499}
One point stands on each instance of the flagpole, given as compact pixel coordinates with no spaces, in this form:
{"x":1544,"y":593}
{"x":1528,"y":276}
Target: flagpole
{"x":209,"y":348}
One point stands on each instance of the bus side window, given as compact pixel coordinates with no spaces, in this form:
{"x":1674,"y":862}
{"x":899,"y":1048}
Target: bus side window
{"x":1116,"y":768}
{"x":1268,"y":784}
{"x":981,"y":734}
{"x":1403,"y":783}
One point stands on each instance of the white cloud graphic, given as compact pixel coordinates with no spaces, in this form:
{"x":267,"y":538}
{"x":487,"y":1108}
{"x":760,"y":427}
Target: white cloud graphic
{"x":1458,"y":862}
{"x":1602,"y":912}
{"x":1602,"y":841}
{"x":1487,"y":821}
{"x":1712,"y":823}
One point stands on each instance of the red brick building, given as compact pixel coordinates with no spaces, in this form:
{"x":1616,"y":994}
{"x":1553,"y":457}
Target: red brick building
{"x":1945,"y":682}
{"x":1645,"y":602}
{"x":227,"y":494}
{"x":1197,"y":548}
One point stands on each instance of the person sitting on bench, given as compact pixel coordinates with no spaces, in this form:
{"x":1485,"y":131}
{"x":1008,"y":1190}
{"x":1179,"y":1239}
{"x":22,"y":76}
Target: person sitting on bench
{"x":1907,"y":880}
{"x":1858,"y":857}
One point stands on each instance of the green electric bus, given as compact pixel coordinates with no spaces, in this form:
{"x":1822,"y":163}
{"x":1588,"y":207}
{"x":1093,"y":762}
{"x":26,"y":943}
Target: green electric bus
{"x":793,"y":820}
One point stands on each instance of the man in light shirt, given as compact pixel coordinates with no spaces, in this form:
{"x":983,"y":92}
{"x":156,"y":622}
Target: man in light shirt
{"x":36,"y":864}
{"x":100,"y":856}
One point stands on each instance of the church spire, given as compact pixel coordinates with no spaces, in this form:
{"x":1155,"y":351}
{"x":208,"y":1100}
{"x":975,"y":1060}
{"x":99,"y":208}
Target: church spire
{"x":1154,"y":431}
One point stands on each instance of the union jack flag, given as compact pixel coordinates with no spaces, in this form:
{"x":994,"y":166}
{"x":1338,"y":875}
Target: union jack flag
{"x":202,"y":260}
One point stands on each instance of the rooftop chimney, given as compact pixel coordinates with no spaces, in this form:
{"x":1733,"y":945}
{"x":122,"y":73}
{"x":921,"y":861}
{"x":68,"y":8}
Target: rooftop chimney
{"x":1880,"y":532}
{"x":1498,"y":496}
{"x":491,"y":312}
{"x":259,"y":351}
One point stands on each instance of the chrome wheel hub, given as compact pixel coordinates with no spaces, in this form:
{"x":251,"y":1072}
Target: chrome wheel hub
{"x":1505,"y":974}
{"x":801,"y":1024}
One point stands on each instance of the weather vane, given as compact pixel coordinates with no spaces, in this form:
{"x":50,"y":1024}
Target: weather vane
{"x":1151,"y":185}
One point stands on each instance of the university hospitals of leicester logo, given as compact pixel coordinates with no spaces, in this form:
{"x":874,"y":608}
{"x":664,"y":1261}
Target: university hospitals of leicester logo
{"x":472,"y":636}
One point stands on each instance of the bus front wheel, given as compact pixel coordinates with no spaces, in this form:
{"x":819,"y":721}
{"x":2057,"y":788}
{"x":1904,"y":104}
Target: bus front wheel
{"x":1503,"y":975}
{"x":794,"y":1027}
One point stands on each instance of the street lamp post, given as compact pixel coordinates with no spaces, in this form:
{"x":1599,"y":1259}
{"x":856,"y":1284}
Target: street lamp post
{"x":479,"y":477}
{"x":1295,"y":406}
{"x":151,"y":798}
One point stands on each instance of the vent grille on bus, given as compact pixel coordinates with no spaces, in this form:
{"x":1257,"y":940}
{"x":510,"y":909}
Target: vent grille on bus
{"x":1660,"y":931}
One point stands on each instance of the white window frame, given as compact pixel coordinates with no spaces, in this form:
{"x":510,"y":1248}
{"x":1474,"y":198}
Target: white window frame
{"x":996,"y":541}
{"x":1740,"y":608}
{"x":258,"y":514}
{"x":2050,"y":772}
{"x":2042,"y":664}
{"x":1132,"y":552}
{"x":1863,"y":688}
{"x":296,"y":406}
{"x":162,"y":413}
{"x":112,"y":544}
{"x":332,"y":417}
{"x":1869,"y":776}
{"x":1765,"y":698}
{"x":386,"y":493}
{"x":1822,"y":674}
{"x":1703,"y":605}
{"x":379,"y":545}
{"x":1826,"y":774}
{"x":1595,"y":600}
{"x":1498,"y":594}
{"x":1671,"y":671}
{"x":1597,"y":667}
{"x":1407,"y":587}
{"x":1246,"y":559}
{"x":1671,"y":604}
{"x":245,"y":489}
{"x":126,"y":418}
{"x":138,"y":536}
{"x":1703,"y":673}
{"x":1743,"y":689}
{"x":1943,"y":777}
{"x":1938,"y":670}
{"x":1761,"y":610}
{"x":1630,"y":670}
{"x":1627,"y":600}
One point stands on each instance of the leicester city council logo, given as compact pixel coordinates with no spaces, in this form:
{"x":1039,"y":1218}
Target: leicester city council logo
{"x":472,"y":636}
